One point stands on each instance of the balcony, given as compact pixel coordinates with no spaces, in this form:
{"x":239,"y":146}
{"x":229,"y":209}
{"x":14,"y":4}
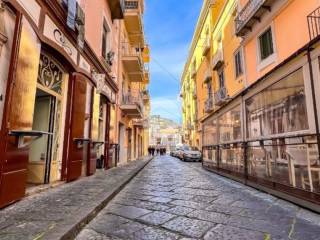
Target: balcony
{"x":207,"y":76}
{"x":314,"y":24}
{"x":140,"y":123}
{"x":194,"y":94}
{"x":134,"y":22}
{"x":145,"y":96}
{"x":116,"y":8}
{"x":132,"y":61}
{"x":193,"y":72}
{"x":218,"y":60}
{"x":221,"y":96}
{"x":146,"y":79}
{"x":206,"y":46}
{"x":209,"y":106}
{"x":250,"y":14}
{"x":132,"y":105}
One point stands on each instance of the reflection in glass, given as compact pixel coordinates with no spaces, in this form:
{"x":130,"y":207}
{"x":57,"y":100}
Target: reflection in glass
{"x":232,"y":158}
{"x":210,"y":136}
{"x":279,"y":108}
{"x":230,"y":125}
{"x":291,"y":161}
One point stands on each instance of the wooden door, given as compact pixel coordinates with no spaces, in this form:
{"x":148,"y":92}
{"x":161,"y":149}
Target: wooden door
{"x":18,"y":116}
{"x":76,"y":134}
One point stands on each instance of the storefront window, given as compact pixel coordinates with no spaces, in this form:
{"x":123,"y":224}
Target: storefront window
{"x":280,"y":108}
{"x":230,"y":125}
{"x":210,"y":132}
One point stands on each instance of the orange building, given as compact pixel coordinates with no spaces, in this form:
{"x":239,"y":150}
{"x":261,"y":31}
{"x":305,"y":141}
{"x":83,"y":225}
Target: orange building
{"x":264,"y":126}
{"x":66,"y":70}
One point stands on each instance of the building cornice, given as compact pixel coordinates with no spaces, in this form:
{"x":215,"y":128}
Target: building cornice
{"x":198,"y":29}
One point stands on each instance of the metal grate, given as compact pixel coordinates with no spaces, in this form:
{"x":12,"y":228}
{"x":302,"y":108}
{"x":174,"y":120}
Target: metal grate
{"x":131,"y":4}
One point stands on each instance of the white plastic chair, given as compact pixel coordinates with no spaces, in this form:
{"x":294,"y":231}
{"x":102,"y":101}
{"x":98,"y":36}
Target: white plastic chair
{"x":260,"y":155}
{"x":305,"y":159}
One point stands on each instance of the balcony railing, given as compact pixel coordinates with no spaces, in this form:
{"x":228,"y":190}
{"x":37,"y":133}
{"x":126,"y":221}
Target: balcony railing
{"x":206,"y":46}
{"x":129,"y":50}
{"x":221,"y":96}
{"x":314,"y":24}
{"x":133,"y":98}
{"x":145,"y":95}
{"x":194,"y":93}
{"x":193,"y":71}
{"x":209,"y":105}
{"x":131,"y":5}
{"x":250,"y":14}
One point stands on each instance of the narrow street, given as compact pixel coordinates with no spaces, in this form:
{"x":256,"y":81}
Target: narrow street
{"x":171,"y":199}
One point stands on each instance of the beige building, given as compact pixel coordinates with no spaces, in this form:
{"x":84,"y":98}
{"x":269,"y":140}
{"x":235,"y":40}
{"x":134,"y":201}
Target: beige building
{"x":164,"y":132}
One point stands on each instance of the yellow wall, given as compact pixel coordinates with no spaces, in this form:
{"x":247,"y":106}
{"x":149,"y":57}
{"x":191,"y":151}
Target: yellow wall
{"x":218,"y":18}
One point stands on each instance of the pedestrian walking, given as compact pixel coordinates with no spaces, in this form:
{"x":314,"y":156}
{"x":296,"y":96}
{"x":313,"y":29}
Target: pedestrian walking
{"x":149,"y":151}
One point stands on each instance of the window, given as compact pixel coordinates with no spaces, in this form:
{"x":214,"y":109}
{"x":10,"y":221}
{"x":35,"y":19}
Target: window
{"x":230,"y":125}
{"x":238,"y":63}
{"x":221,"y":78}
{"x":106,"y":45}
{"x":266,"y":44}
{"x":278,"y":109}
{"x":209,"y":87}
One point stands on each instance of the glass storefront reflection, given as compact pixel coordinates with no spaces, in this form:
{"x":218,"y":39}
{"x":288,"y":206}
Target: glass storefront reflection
{"x":269,"y":152}
{"x":291,"y":161}
{"x":230,"y":125}
{"x":280,"y":108}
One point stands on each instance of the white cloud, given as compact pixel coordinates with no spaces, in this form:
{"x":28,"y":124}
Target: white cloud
{"x":166,"y":106}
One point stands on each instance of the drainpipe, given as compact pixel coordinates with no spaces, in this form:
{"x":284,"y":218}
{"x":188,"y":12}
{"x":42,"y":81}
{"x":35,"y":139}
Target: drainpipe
{"x":314,"y":98}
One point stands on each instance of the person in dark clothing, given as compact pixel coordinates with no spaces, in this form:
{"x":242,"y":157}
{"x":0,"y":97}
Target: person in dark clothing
{"x":149,"y":151}
{"x":152,"y":151}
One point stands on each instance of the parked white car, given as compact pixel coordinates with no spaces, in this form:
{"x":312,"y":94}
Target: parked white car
{"x":191,"y":154}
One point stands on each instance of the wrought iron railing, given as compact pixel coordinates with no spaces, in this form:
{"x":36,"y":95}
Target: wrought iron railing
{"x":131,"y":5}
{"x":221,"y":95}
{"x":206,"y":46}
{"x":314,"y":24}
{"x":133,"y":98}
{"x":209,"y":104}
{"x":247,"y":13}
{"x":129,"y":50}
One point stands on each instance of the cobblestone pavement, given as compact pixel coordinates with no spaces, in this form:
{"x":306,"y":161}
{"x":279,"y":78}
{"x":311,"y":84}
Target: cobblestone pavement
{"x":56,"y":212}
{"x":171,"y":199}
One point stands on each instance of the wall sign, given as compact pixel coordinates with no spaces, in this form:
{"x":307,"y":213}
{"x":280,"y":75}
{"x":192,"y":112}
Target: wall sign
{"x":52,"y":32}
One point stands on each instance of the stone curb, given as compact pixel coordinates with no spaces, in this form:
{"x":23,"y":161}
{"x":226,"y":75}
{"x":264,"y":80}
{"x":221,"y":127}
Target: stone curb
{"x":70,"y":231}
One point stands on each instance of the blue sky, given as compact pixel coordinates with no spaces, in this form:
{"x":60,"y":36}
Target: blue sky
{"x":169,"y":26}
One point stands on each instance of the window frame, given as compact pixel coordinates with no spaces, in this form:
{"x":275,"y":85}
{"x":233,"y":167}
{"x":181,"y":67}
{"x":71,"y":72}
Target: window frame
{"x":263,"y":63}
{"x":106,"y":39}
{"x":238,"y":51}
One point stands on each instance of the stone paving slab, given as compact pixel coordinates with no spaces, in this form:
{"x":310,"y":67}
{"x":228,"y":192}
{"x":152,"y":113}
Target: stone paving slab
{"x":171,"y":199}
{"x":60,"y":212}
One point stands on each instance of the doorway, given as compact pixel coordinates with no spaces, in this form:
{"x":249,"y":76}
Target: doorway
{"x":43,"y":151}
